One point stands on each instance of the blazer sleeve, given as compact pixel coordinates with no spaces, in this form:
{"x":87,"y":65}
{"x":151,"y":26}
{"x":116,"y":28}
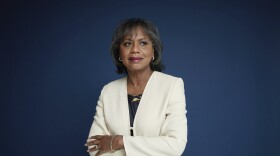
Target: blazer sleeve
{"x":173,"y":138}
{"x":98,"y":126}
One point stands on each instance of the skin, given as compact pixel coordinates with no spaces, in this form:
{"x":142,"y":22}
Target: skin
{"x":138,"y":45}
{"x":136,"y":52}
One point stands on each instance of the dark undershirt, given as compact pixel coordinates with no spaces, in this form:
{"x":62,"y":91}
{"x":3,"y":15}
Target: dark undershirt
{"x":133,"y":103}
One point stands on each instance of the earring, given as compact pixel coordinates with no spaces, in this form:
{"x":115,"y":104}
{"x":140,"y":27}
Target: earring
{"x":120,"y":59}
{"x":153,"y":58}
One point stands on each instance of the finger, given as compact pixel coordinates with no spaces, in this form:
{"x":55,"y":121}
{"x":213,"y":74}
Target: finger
{"x":96,"y":137}
{"x":101,"y":151}
{"x":88,"y":141}
{"x":92,"y":142}
{"x":92,"y":149}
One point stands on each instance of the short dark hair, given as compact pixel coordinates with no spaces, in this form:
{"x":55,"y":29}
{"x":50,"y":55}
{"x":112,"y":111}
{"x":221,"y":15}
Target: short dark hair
{"x":124,"y":29}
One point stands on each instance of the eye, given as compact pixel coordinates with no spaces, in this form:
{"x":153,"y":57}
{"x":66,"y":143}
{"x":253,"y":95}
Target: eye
{"x":126,"y":44}
{"x":143,"y":43}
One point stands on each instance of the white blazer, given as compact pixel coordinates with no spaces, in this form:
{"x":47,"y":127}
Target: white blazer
{"x":160,"y":124}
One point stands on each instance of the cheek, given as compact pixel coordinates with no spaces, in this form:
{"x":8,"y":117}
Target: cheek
{"x":122,"y":52}
{"x":150,"y":52}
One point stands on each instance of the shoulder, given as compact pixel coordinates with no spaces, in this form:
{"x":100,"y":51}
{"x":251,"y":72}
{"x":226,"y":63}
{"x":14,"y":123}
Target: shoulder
{"x":116,"y":82}
{"x":165,"y":82}
{"x":114,"y":85}
{"x":162,"y":77}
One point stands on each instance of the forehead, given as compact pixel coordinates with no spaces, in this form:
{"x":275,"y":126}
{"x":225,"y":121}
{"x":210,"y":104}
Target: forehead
{"x":136,"y":32}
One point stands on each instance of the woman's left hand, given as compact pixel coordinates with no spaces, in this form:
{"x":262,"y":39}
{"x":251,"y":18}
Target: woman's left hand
{"x":101,"y":142}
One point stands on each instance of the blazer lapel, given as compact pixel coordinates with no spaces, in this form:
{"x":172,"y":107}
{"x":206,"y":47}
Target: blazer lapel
{"x":144,"y":102}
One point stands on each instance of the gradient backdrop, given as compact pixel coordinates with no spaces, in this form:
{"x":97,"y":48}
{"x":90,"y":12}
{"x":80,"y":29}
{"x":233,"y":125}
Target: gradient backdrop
{"x":55,"y":60}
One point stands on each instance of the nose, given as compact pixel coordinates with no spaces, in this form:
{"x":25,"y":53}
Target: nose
{"x":135,"y":48}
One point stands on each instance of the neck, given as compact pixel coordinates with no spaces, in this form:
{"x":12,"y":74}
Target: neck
{"x":136,"y":82}
{"x":136,"y":79}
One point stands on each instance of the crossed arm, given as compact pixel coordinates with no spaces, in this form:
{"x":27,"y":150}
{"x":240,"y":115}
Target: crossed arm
{"x":171,"y":141}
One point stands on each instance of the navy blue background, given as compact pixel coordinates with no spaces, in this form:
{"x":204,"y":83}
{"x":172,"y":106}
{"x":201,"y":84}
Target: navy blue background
{"x":55,"y":59}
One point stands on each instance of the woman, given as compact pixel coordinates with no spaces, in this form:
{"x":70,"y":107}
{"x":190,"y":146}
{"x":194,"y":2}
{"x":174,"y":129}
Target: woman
{"x":142,"y":113}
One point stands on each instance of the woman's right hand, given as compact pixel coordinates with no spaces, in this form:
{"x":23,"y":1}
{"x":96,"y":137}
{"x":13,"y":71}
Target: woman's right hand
{"x":104,"y":143}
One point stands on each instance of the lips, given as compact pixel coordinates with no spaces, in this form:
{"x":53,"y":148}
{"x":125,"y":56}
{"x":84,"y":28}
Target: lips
{"x":135,"y":59}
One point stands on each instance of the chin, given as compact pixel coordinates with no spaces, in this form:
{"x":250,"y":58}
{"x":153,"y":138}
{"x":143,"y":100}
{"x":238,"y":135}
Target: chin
{"x":139,"y":69}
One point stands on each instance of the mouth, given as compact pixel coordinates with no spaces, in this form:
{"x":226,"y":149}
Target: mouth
{"x":135,"y":59}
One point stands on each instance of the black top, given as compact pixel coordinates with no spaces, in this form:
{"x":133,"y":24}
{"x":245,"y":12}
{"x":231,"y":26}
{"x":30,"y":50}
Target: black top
{"x":133,"y":103}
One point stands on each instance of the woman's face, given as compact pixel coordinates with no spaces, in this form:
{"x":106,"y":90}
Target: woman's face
{"x":136,"y":51}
